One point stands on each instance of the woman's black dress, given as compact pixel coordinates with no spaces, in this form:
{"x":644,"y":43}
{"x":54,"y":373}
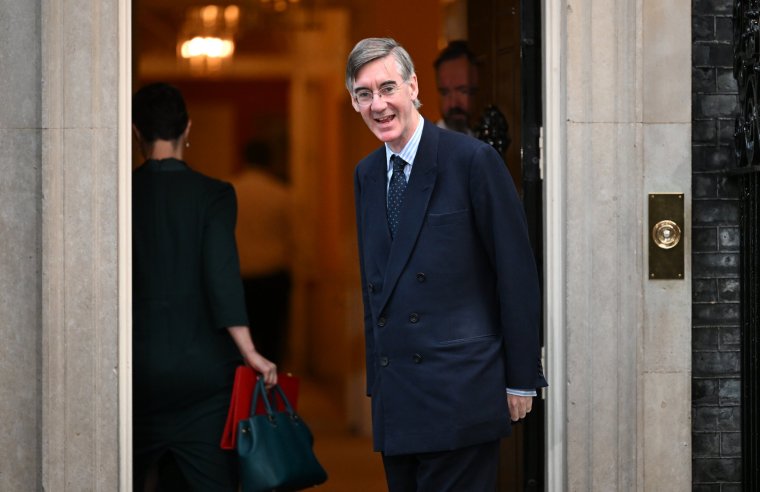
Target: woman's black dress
{"x":186,"y":291}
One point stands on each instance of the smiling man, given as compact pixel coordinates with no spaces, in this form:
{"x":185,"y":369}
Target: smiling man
{"x":449,"y":283}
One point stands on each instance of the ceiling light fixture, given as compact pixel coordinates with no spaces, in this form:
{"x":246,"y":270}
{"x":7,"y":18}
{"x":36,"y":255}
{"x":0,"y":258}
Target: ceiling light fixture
{"x":207,"y":36}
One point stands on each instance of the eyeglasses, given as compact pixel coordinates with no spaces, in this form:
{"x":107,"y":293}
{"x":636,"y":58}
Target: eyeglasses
{"x":364,"y":97}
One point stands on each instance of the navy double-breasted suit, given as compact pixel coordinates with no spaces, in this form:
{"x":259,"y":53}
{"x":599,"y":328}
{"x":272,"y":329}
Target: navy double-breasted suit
{"x":451,"y":304}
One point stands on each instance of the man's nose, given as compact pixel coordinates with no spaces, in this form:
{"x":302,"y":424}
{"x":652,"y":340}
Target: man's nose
{"x":378,"y":103}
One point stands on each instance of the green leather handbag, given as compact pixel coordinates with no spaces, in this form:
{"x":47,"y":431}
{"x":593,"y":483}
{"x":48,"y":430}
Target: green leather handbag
{"x":276,"y":449}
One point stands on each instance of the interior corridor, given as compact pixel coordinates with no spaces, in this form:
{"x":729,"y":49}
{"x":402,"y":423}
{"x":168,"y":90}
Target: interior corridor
{"x":350,"y":463}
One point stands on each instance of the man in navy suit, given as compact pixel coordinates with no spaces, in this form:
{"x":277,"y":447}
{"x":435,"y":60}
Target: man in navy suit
{"x":450,"y":290}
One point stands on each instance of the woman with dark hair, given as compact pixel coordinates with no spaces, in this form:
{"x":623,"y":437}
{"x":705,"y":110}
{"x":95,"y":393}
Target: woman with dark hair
{"x":190,"y":325}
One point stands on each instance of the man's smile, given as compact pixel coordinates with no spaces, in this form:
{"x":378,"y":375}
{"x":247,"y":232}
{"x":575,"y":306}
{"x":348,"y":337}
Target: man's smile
{"x":385,"y":119}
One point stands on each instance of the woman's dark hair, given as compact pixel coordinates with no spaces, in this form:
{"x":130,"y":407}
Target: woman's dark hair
{"x":159,"y":112}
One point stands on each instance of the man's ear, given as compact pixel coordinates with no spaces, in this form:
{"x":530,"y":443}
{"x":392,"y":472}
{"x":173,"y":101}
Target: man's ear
{"x":186,"y":133}
{"x":414,"y":86}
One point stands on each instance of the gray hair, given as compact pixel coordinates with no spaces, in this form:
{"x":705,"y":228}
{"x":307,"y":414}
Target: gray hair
{"x":371,"y":49}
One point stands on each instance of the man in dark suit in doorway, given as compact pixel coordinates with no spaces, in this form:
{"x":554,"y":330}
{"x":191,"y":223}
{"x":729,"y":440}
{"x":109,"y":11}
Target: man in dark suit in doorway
{"x":456,"y":74}
{"x":450,"y":290}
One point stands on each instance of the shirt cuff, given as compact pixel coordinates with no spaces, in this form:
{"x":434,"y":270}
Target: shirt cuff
{"x":518,"y":392}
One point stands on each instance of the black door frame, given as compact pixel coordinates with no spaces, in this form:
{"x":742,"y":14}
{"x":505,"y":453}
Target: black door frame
{"x":531,"y":109}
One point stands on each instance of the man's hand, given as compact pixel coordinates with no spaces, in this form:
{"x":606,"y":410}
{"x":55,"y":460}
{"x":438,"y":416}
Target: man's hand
{"x":519,"y":406}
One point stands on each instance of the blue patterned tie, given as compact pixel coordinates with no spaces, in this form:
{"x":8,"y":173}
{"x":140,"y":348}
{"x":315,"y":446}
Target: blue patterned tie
{"x":396,"y":189}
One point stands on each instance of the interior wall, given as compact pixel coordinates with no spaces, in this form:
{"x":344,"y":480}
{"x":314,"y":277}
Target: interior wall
{"x":213,"y":147}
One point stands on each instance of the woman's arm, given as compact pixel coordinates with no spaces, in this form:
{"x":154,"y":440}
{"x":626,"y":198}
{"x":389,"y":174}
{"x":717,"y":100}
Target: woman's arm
{"x":242,"y":337}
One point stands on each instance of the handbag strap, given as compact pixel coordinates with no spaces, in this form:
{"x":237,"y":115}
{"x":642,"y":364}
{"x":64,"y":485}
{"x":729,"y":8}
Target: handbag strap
{"x":261,"y":391}
{"x":279,"y":391}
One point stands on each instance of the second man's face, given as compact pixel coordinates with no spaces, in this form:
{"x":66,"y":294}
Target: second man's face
{"x":392,"y":118}
{"x":457,"y":83}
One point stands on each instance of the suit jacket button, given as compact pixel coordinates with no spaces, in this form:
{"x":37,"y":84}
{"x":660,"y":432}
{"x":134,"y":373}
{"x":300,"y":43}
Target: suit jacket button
{"x":384,"y":361}
{"x":370,"y":287}
{"x":420,"y":277}
{"x":381,"y":322}
{"x":414,"y":317}
{"x":417,"y":358}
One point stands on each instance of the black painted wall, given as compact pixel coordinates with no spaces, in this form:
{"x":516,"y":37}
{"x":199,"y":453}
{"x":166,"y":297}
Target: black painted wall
{"x":715,"y":254}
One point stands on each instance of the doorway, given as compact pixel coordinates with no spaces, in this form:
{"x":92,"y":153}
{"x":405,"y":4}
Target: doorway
{"x":506,"y":38}
{"x":285,"y":81}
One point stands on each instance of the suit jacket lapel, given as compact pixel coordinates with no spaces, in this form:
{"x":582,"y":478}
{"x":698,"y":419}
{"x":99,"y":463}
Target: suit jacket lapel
{"x":376,"y":220}
{"x":416,"y":199}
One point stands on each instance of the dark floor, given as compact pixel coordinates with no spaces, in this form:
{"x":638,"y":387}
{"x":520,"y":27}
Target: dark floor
{"x":350,"y":463}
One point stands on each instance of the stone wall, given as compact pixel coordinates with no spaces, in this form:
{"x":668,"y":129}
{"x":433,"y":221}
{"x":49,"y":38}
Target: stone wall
{"x":59,"y":253}
{"x":80,"y":249}
{"x":715,"y":340}
{"x":20,"y":318}
{"x":628,"y":338}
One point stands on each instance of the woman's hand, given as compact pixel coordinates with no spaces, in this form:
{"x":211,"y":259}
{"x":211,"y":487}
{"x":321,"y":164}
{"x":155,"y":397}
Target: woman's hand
{"x":242,"y":337}
{"x":267,"y":369}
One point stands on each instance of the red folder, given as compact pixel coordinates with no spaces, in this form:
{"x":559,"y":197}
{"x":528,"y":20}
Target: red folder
{"x":240,"y":403}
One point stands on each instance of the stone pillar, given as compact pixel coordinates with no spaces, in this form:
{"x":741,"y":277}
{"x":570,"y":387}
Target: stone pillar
{"x":19,"y":245}
{"x":665,"y":346}
{"x":80,"y":251}
{"x":628,"y":345}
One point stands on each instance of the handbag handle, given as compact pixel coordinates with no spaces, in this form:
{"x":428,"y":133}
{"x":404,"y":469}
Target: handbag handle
{"x":262,"y":391}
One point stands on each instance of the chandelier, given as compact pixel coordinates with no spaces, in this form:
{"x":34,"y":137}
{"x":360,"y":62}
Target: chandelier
{"x":207,"y":37}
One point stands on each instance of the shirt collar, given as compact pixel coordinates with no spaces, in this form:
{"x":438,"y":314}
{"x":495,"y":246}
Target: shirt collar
{"x":409,"y":152}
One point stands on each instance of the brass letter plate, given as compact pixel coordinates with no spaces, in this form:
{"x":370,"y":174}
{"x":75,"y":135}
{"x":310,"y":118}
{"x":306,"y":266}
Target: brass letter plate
{"x":665,"y":236}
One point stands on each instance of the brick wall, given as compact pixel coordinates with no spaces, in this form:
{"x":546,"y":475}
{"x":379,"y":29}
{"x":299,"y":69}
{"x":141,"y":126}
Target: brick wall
{"x":716,"y":385}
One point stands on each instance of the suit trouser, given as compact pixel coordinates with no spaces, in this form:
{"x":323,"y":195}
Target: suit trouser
{"x":470,"y":469}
